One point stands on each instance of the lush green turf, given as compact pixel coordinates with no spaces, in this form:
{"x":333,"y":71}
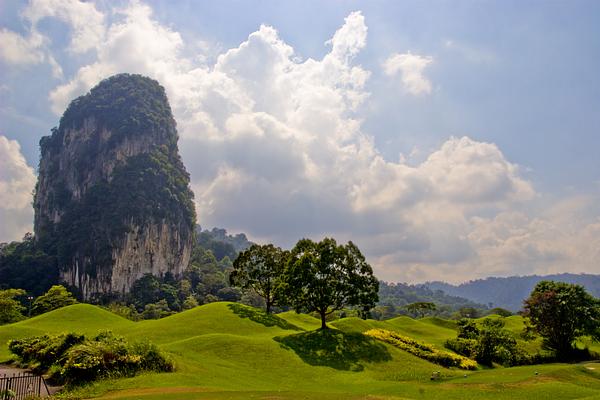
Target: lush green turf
{"x":227,"y":351}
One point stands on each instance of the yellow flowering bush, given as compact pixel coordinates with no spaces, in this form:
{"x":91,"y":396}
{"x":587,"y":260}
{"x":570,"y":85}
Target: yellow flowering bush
{"x":422,"y":350}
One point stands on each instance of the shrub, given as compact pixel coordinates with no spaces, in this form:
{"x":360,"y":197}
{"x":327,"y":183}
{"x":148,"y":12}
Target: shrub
{"x":11,"y":309}
{"x":41,"y":352}
{"x":422,"y":350}
{"x":488,"y":343}
{"x":73,"y":359}
{"x":129,"y":312}
{"x":464,"y":347}
{"x":156,"y":310}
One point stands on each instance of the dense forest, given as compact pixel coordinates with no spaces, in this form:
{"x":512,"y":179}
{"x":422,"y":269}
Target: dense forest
{"x":395,"y":297}
{"x":25,"y":266}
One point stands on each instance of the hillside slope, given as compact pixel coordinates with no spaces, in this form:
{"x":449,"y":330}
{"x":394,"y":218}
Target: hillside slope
{"x":228,"y":351}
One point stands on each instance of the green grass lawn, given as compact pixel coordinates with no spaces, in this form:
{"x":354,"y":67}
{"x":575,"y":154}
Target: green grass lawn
{"x":228,"y":351}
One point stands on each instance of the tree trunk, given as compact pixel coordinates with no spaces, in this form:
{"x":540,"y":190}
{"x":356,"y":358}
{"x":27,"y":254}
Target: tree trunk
{"x":564,"y":350}
{"x":268,"y":307}
{"x":323,"y":324}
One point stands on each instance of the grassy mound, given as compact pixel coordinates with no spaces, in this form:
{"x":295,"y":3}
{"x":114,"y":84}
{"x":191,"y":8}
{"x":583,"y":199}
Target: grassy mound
{"x":222,"y":351}
{"x":336,"y":349}
{"x":210,"y":318}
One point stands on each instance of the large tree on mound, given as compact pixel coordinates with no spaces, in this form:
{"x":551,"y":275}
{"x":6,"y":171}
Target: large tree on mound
{"x":260,"y":268}
{"x":325,"y":277}
{"x":561,"y":313}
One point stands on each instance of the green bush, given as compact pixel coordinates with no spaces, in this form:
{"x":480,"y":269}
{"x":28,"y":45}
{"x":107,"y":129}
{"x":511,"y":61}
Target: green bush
{"x":11,"y":309}
{"x":464,"y":347}
{"x":74,"y":359}
{"x":488,"y":343}
{"x":41,"y":352}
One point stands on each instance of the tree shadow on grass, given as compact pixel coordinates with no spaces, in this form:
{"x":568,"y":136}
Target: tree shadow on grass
{"x":260,"y":316}
{"x":335,"y":349}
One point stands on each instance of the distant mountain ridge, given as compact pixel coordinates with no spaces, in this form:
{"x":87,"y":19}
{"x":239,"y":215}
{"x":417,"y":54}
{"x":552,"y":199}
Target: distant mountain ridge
{"x":399,"y":295}
{"x":510,"y":292}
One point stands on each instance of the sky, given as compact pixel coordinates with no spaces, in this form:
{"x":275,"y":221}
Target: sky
{"x":450,"y":140}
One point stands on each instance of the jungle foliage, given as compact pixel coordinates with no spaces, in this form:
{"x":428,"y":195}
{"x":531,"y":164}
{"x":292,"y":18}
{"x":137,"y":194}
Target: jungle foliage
{"x":25,"y":266}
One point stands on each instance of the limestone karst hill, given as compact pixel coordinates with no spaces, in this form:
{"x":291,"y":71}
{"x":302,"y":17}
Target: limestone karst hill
{"x":112,"y":200}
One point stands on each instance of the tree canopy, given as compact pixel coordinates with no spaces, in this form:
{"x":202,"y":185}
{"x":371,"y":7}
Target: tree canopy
{"x":260,"y":268}
{"x":325,"y":277}
{"x":420,"y":308}
{"x":11,"y":309}
{"x":56,"y":297}
{"x":561,"y":313}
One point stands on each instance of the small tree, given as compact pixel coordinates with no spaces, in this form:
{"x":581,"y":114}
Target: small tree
{"x":260,"y":269}
{"x":190,"y":302}
{"x":500,"y":311}
{"x":467,"y":329}
{"x":11,"y":309}
{"x":325,"y":277}
{"x":157,"y":310}
{"x":561,"y":313}
{"x":495,"y":344}
{"x":145,"y":290}
{"x":56,"y":297}
{"x":420,"y":308}
{"x":468,"y":312}
{"x":487,"y":342}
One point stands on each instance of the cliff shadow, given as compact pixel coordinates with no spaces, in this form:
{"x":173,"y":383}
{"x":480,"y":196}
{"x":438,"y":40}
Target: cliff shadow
{"x":336,"y":349}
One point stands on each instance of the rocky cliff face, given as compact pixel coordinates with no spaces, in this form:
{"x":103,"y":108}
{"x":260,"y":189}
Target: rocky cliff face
{"x":113,"y":200}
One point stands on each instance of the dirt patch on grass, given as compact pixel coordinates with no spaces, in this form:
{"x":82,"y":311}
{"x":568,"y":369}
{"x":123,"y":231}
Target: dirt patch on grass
{"x":150,"y":391}
{"x":499,"y":385}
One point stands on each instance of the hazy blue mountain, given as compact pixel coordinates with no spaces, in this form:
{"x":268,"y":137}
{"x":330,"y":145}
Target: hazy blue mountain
{"x":510,"y":292}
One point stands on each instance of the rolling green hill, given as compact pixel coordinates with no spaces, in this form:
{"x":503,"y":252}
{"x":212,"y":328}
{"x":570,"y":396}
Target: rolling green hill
{"x":229,"y":351}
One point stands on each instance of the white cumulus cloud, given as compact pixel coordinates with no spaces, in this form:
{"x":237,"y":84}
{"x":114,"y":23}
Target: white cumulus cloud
{"x":86,"y":22}
{"x":20,"y":50}
{"x":411,"y":68}
{"x":17,"y":180}
{"x":87,"y":30}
